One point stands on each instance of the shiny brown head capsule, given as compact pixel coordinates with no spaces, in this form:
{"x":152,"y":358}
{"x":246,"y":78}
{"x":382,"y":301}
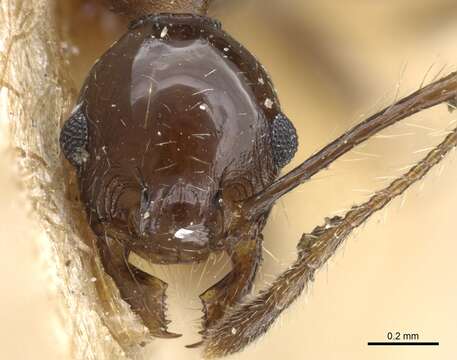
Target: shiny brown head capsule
{"x":175,"y":125}
{"x":177,"y":139}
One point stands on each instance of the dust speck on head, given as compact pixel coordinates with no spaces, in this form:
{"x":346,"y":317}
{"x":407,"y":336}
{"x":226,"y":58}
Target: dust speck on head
{"x":182,"y":233}
{"x":164,"y":32}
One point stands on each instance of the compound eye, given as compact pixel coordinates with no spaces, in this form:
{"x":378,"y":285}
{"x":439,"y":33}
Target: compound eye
{"x":73,"y":138}
{"x":284,"y":140}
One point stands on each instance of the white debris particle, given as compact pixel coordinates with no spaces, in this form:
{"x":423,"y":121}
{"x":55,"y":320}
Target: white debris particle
{"x":93,"y":279}
{"x":226,"y":49}
{"x":147,"y":215}
{"x":233,"y":331}
{"x":159,"y":133}
{"x":182,"y":233}
{"x":203,"y":107}
{"x":269,"y":103}
{"x":261,"y":81}
{"x":164,"y":32}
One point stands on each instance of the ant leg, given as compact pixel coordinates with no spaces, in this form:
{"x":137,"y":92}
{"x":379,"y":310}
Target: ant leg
{"x":254,"y":317}
{"x":143,"y":292}
{"x":443,"y":90}
{"x":246,"y":257}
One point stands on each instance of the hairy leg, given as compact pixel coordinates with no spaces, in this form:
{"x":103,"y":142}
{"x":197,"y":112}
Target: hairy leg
{"x":443,"y":90}
{"x":253,"y":318}
{"x":144,"y":293}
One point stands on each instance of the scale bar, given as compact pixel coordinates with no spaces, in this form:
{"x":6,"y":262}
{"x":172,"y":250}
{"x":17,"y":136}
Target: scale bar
{"x":399,"y":343}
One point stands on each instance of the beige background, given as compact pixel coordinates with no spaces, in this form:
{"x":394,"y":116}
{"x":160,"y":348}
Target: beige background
{"x":333,"y":63}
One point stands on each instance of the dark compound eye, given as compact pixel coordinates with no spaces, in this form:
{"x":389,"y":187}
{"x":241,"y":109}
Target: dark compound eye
{"x":284,"y":140}
{"x":73,"y":138}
